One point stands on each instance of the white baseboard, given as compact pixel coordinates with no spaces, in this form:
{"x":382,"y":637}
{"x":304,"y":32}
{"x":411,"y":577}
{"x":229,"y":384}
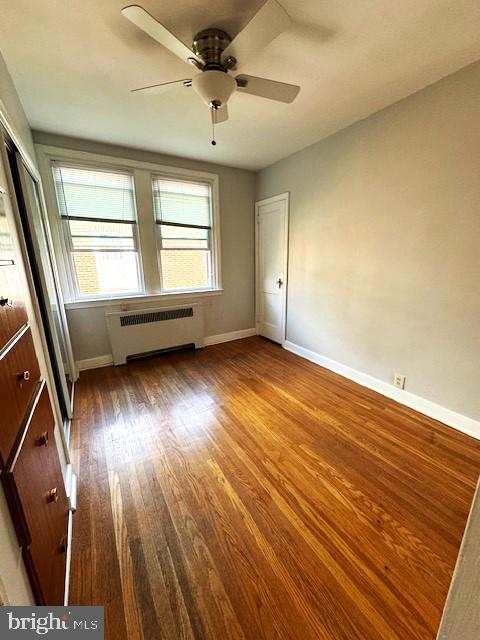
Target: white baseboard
{"x":451,"y":418}
{"x":95,"y":363}
{"x":68,"y":563}
{"x":71,"y":490}
{"x":227,"y":337}
{"x":107,"y":359}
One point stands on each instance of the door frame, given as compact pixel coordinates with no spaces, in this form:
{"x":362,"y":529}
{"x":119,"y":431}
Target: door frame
{"x":281,"y":197}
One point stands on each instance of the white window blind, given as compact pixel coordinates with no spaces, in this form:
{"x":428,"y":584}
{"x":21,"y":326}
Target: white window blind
{"x":94,"y":194}
{"x":182,"y":203}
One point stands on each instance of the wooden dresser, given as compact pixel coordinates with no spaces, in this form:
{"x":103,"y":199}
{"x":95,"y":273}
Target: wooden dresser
{"x":29,"y":462}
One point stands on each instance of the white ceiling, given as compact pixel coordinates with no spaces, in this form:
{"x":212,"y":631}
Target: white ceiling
{"x":74,"y":62}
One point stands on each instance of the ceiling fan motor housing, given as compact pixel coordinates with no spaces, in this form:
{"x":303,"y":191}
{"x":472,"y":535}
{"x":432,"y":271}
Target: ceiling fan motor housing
{"x":209,"y":45}
{"x":214,"y":87}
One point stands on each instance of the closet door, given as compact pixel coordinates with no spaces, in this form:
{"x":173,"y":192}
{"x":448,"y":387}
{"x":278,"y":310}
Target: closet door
{"x":45,"y":274}
{"x":12,"y":306}
{"x":13,"y":324}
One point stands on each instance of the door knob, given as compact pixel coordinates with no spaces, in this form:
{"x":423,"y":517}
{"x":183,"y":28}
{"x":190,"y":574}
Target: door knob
{"x":53,"y":495}
{"x":25,"y":375}
{"x":279,"y":282}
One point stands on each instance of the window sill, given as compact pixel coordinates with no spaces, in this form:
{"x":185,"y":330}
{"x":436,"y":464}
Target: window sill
{"x":133,"y":299}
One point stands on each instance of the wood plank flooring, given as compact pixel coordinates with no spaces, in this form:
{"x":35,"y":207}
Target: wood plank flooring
{"x":240,"y":492}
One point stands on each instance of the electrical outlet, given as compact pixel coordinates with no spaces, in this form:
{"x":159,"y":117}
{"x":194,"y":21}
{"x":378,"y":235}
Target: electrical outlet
{"x":399,"y":380}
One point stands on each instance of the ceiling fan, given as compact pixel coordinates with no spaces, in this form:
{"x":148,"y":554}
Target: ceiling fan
{"x":215,"y":54}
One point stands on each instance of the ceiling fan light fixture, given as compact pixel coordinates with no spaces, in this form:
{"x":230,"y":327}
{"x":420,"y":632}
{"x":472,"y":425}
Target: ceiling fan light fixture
{"x":214,"y":87}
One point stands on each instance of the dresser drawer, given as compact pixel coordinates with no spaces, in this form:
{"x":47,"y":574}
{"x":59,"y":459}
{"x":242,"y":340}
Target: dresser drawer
{"x":19,"y":375}
{"x":13,"y":314}
{"x":35,"y":490}
{"x":46,"y":564}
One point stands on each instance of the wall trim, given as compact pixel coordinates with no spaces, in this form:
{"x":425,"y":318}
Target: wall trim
{"x":68,"y":563}
{"x":71,"y":490}
{"x":95,"y":363}
{"x":228,"y":337}
{"x":451,"y":418}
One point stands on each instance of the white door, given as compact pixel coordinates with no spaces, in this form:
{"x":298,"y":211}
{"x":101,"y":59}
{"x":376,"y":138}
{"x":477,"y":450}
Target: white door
{"x":271,"y":266}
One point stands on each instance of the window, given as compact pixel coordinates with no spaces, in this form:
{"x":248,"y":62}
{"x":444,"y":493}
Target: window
{"x":183,"y":215}
{"x":124,"y":228}
{"x":97,"y":208}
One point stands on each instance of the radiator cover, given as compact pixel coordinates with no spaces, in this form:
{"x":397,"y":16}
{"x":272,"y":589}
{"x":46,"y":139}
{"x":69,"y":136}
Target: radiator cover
{"x":134,"y":333}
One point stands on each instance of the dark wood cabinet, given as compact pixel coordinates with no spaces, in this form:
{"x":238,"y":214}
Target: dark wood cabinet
{"x":34,"y":484}
{"x":19,"y":374}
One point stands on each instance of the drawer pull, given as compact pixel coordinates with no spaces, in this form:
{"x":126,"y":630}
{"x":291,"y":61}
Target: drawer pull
{"x":53,"y":495}
{"x":62,"y":547}
{"x":42,"y":439}
{"x":5,"y":302}
{"x":24,"y":376}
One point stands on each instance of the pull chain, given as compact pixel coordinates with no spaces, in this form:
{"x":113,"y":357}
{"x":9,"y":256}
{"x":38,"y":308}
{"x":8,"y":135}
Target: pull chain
{"x":212,"y":109}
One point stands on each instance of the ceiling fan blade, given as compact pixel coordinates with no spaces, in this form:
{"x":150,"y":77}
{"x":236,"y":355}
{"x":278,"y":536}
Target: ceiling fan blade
{"x":146,"y":22}
{"x":279,"y":91}
{"x":162,"y":86}
{"x":265,"y":26}
{"x":220,"y":115}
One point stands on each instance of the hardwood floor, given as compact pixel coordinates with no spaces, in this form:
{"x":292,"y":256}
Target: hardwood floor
{"x":240,"y":492}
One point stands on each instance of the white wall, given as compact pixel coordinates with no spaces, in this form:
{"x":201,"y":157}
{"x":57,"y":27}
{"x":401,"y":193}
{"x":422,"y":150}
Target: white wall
{"x":12,"y":105}
{"x":233,"y":310}
{"x":384,"y":265}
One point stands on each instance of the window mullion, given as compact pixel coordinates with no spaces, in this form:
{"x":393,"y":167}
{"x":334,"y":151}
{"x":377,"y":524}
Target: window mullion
{"x":146,"y":231}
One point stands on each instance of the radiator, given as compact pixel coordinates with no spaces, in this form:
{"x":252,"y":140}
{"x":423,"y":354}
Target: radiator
{"x":134,"y":333}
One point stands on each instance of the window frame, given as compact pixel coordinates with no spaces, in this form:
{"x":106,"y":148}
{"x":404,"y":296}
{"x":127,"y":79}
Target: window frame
{"x":210,"y":240}
{"x":149,"y":267}
{"x":68,"y":241}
